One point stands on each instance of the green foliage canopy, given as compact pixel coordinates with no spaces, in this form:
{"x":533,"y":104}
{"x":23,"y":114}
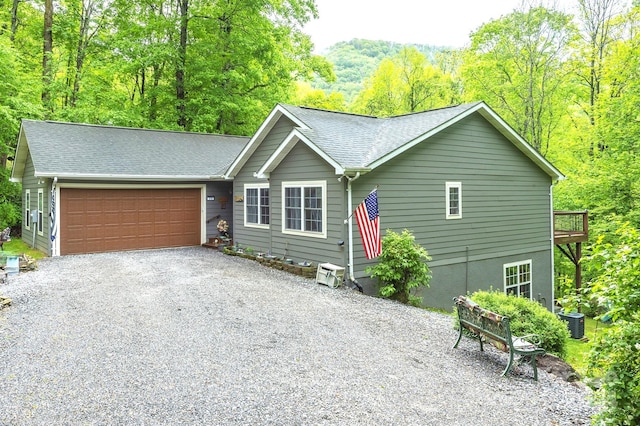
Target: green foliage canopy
{"x":515,"y":64}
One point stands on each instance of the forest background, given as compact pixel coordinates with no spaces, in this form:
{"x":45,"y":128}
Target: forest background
{"x":568,"y":83}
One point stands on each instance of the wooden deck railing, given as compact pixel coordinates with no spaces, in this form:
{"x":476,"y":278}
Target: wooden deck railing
{"x":570,"y":226}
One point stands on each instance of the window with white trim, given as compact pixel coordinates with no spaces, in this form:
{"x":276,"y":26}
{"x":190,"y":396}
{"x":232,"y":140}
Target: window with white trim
{"x":256,"y":205}
{"x":40,"y":211}
{"x":454,"y":200}
{"x":27,"y":209}
{"x":517,"y":279}
{"x":304,"y":206}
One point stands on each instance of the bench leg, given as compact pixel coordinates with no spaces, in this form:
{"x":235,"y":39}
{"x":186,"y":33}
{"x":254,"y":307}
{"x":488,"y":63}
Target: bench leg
{"x":534,"y":365}
{"x":509,"y":365}
{"x":459,"y":337}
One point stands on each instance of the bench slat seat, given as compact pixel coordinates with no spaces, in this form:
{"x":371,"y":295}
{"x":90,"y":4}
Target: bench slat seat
{"x":495,"y":329}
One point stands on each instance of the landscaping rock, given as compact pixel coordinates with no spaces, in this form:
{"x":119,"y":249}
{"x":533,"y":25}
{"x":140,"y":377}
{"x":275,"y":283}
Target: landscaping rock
{"x":559,"y":368}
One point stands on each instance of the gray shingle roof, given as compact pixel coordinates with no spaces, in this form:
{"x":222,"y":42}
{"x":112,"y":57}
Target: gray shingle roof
{"x":357,"y":140}
{"x":76,"y":150}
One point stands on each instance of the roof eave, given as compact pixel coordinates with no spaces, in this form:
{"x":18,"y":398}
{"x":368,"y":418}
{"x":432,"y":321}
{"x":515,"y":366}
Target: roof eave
{"x":276,"y":113}
{"x":352,"y":171}
{"x":498,"y":123}
{"x":410,"y":144}
{"x":132,"y":177}
{"x":521,"y":144}
{"x":286,"y":146}
{"x":20,"y":160}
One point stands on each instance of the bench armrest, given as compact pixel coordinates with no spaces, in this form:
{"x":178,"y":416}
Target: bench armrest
{"x":534,"y":339}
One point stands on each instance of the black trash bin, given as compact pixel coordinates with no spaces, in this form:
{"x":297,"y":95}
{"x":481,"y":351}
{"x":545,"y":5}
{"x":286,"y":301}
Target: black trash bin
{"x":575,"y":322}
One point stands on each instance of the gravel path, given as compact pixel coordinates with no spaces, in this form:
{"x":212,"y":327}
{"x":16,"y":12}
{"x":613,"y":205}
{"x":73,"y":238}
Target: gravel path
{"x":191,"y":336}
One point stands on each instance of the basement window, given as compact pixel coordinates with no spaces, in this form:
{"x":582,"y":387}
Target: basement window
{"x":517,"y":279}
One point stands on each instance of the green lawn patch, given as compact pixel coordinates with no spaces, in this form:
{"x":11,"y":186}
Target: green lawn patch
{"x":17,"y":247}
{"x":578,"y":350}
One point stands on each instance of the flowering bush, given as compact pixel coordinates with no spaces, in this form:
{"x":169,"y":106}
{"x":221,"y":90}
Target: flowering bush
{"x":223,"y":228}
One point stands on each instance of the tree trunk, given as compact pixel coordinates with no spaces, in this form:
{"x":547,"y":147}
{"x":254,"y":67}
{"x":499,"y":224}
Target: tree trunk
{"x":180,"y":66}
{"x":14,"y":19}
{"x":84,"y":37}
{"x":47,"y":51}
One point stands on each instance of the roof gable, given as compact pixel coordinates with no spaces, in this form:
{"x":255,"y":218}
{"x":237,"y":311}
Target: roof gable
{"x":357,"y":143}
{"x":77,"y":151}
{"x":295,"y":137}
{"x":274,"y":116}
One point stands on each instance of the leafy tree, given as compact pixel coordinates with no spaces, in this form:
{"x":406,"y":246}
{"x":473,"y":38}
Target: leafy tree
{"x":616,"y":357}
{"x":305,"y":95}
{"x":401,"y":267}
{"x":515,"y":64}
{"x":404,"y":83}
{"x":16,"y":101}
{"x":10,"y":205}
{"x":597,"y":34}
{"x":605,"y":181}
{"x":617,"y":264}
{"x":356,"y":60}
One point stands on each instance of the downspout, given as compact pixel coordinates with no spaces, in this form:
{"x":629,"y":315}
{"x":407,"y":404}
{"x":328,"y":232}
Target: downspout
{"x":349,"y":222}
{"x":553,"y":267}
{"x":53,"y":231}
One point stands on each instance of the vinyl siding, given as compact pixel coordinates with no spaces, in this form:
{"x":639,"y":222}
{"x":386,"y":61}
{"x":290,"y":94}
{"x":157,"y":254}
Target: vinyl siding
{"x":258,"y":238}
{"x":218,"y":207}
{"x":505,"y":207}
{"x":300,"y":165}
{"x":303,"y":165}
{"x":29,"y":181}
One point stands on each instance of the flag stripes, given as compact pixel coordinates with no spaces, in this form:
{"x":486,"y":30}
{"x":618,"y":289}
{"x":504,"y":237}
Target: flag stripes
{"x":368,"y":219}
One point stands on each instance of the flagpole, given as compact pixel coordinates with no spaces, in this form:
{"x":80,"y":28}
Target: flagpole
{"x":350,"y":203}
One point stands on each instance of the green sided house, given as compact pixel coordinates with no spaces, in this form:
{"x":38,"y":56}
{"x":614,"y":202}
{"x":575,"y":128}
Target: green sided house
{"x":472,"y":191}
{"x":93,"y":188}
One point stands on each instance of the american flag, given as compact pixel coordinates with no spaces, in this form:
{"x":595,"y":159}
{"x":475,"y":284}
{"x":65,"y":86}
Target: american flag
{"x":368,"y":220}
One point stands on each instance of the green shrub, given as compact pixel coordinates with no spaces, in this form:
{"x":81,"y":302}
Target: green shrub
{"x":402,"y":267}
{"x":527,"y":317}
{"x":615,"y":265}
{"x":617,"y":357}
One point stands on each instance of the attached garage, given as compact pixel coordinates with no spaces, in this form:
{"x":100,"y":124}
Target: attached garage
{"x":95,"y":188}
{"x":99,"y":220}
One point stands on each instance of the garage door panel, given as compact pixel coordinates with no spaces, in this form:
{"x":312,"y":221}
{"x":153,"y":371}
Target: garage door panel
{"x":96,"y":220}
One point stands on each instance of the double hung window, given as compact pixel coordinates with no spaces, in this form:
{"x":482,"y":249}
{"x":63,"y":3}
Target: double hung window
{"x":40,"y":211}
{"x":304,"y":208}
{"x":27,"y":209}
{"x":257,"y":210}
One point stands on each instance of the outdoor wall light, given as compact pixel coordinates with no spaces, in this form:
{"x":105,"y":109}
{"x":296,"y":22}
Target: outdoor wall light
{"x":341,"y":242}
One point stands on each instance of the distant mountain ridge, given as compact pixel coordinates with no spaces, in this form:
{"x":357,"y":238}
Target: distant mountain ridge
{"x":354,"y":61}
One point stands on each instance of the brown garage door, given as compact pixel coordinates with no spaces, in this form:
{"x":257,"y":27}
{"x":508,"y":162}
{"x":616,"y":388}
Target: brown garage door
{"x":98,"y":220}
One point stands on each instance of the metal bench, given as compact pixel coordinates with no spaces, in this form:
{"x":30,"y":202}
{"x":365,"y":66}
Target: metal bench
{"x":488,"y":326}
{"x":5,"y":237}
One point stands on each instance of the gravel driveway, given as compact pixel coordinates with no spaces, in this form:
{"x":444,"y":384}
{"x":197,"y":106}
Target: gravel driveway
{"x":191,"y":336}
